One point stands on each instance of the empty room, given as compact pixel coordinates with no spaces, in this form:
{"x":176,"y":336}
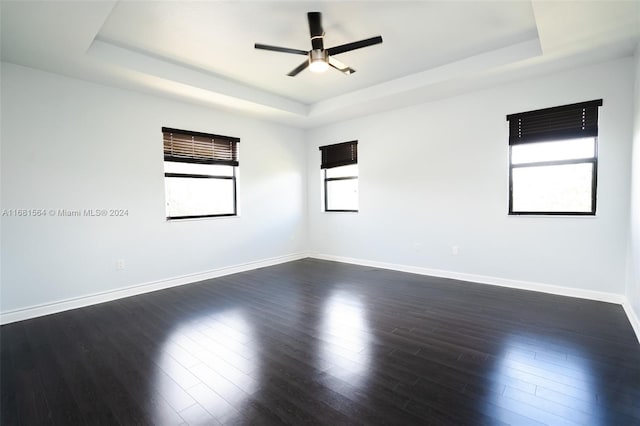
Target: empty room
{"x":322,"y":212}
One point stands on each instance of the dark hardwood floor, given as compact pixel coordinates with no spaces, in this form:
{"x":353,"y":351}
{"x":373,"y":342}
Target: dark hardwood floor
{"x":316,"y":342}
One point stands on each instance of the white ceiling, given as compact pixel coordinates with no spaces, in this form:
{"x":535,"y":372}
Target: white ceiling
{"x":203,"y":51}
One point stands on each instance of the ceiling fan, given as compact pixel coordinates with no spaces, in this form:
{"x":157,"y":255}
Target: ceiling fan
{"x":320,"y":59}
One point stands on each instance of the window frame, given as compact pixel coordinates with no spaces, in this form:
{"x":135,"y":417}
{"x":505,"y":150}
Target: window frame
{"x":556,"y":124}
{"x":326,"y":196}
{"x":214,"y":160}
{"x":334,"y":156}
{"x":594,"y":181}
{"x":206,"y":176}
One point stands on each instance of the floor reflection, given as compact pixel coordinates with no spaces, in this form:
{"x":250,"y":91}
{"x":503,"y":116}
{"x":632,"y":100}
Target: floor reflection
{"x":316,"y":342}
{"x":207,"y":367}
{"x":345,"y":350}
{"x":545,"y":382}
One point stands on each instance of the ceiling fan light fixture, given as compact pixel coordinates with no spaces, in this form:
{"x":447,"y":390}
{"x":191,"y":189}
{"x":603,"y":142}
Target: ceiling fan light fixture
{"x":318,"y":61}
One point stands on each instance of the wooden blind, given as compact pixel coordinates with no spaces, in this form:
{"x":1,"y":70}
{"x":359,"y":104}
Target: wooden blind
{"x":195,"y":147}
{"x":562,"y":122}
{"x":340,"y":154}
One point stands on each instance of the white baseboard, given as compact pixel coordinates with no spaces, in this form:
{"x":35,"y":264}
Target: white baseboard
{"x":601,"y":296}
{"x":92,"y":299}
{"x":483,"y":279}
{"x":633,"y":318}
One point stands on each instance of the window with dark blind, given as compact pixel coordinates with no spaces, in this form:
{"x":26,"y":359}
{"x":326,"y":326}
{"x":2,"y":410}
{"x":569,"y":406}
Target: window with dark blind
{"x":200,"y":174}
{"x":553,"y":159}
{"x":340,"y":167}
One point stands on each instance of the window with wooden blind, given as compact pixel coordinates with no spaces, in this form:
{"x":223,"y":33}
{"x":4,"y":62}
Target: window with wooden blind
{"x":340,"y":168}
{"x":553,"y":160}
{"x":200,"y":174}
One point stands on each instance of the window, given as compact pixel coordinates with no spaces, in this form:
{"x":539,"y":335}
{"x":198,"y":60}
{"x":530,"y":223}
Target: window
{"x":200,"y":174}
{"x":553,"y":160}
{"x":340,"y":165}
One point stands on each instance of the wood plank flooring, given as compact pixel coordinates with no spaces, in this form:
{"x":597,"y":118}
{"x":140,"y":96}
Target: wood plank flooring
{"x":317,"y":342}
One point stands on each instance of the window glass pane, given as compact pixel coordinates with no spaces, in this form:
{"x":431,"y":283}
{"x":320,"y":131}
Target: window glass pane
{"x":552,"y":151}
{"x":342,"y":171}
{"x":198,"y":169}
{"x":342,"y":194}
{"x":564,"y":188}
{"x":197,"y":196}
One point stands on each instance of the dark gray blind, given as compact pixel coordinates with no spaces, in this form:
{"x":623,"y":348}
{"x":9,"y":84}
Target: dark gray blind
{"x":195,"y":147}
{"x":340,"y":154}
{"x":562,"y":122}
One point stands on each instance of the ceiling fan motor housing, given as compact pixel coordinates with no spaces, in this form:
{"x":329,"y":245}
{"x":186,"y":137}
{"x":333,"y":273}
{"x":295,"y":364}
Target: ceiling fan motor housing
{"x":318,"y":55}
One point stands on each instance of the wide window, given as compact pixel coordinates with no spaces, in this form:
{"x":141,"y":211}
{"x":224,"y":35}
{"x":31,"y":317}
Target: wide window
{"x":553,"y":160}
{"x":200,"y":174}
{"x":340,"y":168}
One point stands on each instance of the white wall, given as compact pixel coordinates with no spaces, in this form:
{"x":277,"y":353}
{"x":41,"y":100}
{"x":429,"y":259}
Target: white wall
{"x":427,"y":181}
{"x":68,"y":144}
{"x":436,"y":175}
{"x":633,"y":284}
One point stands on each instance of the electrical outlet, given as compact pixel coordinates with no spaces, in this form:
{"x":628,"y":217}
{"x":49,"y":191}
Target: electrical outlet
{"x":455,"y":250}
{"x":120,"y":265}
{"x":417,"y":247}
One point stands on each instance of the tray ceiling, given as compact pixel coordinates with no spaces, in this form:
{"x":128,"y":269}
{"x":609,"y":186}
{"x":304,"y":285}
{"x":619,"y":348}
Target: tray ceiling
{"x":203,"y":51}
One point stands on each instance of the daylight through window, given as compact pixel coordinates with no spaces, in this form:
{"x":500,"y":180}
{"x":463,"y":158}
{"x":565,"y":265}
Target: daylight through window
{"x":200,"y":171}
{"x":553,"y":159}
{"x":340,"y":167}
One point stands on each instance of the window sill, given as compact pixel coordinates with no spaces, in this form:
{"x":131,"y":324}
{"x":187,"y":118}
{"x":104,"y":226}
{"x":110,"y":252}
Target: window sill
{"x":551,"y":216}
{"x":340,"y":211}
{"x":198,"y":219}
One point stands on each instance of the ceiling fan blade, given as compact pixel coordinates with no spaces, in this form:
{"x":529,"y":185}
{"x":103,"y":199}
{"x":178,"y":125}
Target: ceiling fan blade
{"x":315,"y":30}
{"x":355,"y":45}
{"x":299,"y":68}
{"x":315,"y":23}
{"x":340,"y":66}
{"x":280,"y":49}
